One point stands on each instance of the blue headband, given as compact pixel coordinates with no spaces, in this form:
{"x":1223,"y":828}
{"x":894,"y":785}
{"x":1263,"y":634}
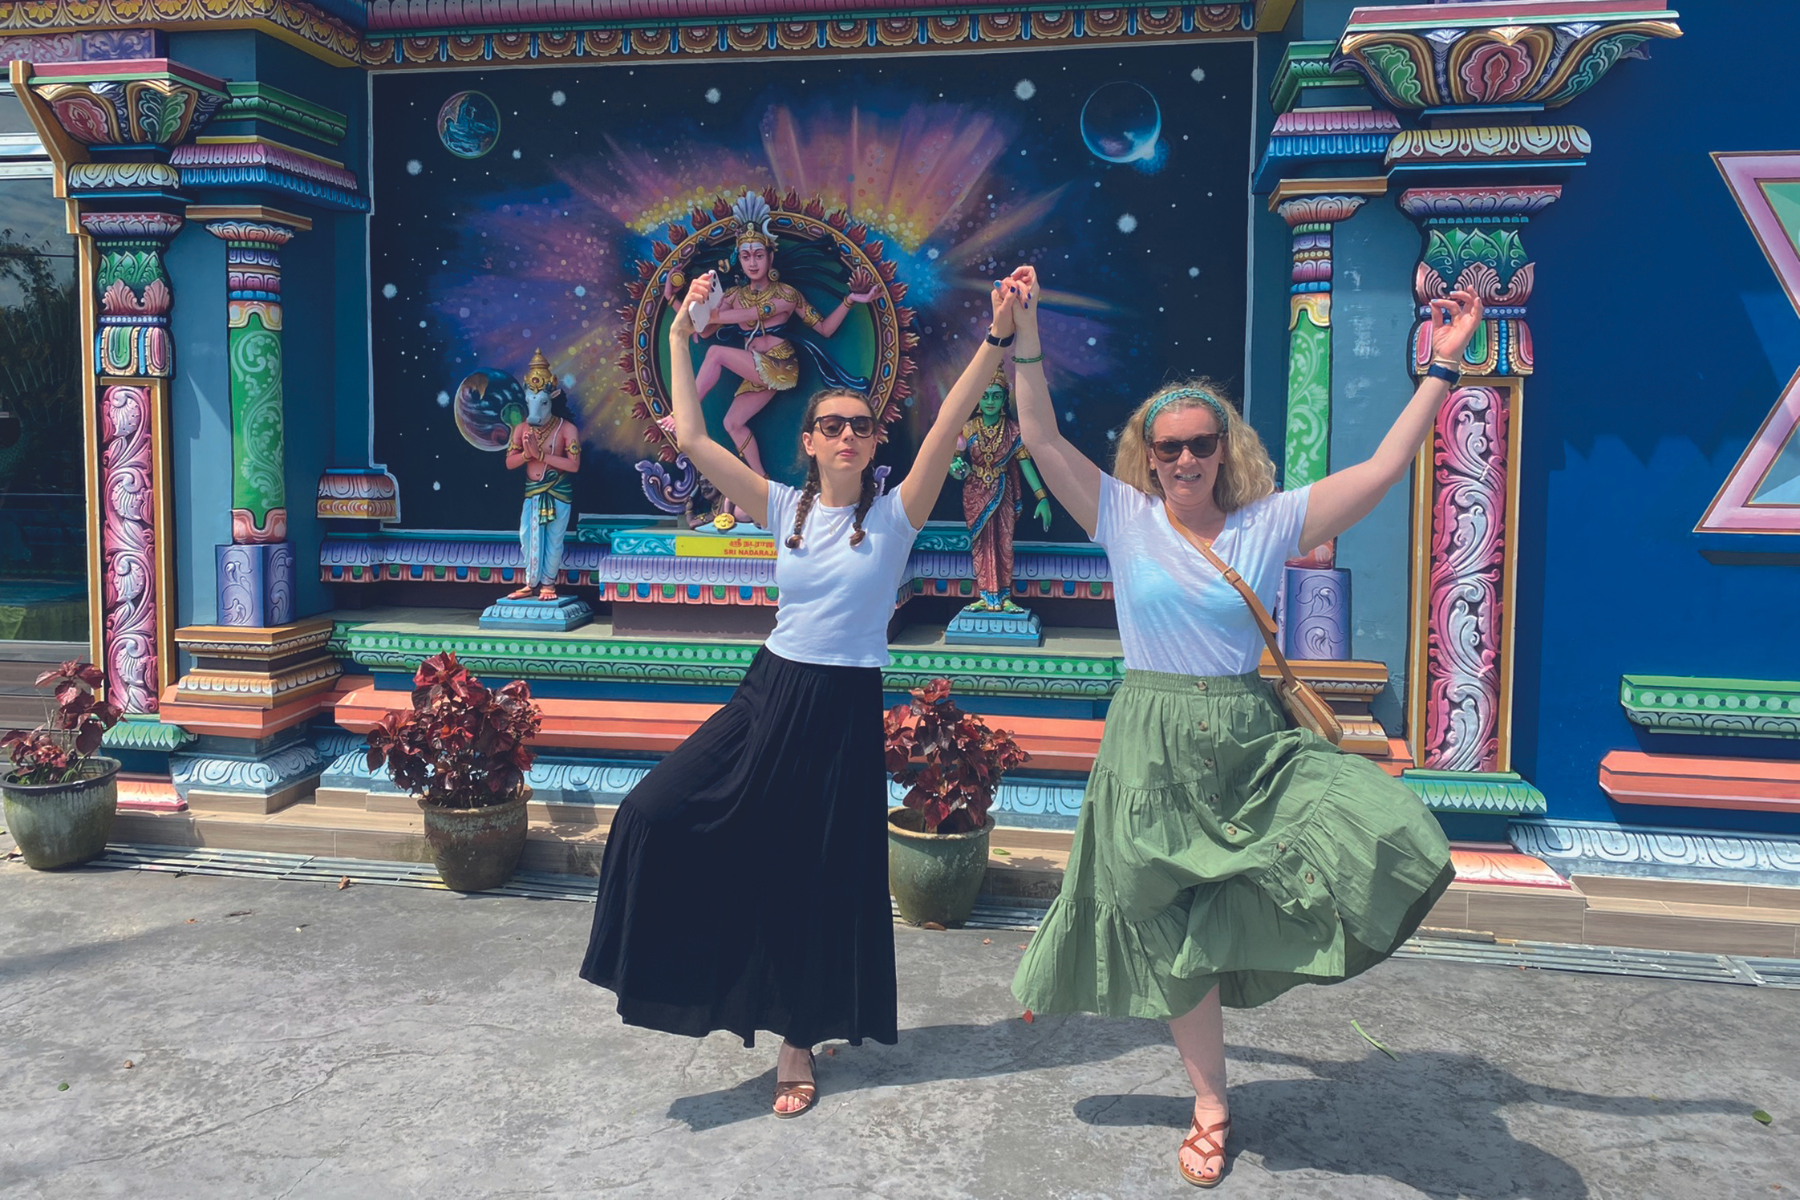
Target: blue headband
{"x":1186,"y":393}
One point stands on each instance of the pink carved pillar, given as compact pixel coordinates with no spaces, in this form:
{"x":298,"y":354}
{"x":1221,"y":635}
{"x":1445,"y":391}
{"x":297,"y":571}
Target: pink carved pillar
{"x":132,"y":577}
{"x":1466,"y":492}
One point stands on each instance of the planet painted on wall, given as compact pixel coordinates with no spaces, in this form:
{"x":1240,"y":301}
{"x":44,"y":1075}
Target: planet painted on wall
{"x":1121,"y":123}
{"x":488,"y":404}
{"x":468,"y":124}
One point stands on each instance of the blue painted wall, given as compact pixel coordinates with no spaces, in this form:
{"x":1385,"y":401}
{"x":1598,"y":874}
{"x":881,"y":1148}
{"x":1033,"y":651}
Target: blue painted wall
{"x":324,"y":337}
{"x":199,"y":422}
{"x":1662,"y":342}
{"x":1371,"y":311}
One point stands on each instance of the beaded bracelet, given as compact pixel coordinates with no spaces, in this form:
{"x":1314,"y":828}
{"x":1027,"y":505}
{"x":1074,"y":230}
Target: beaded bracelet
{"x":1024,"y":361}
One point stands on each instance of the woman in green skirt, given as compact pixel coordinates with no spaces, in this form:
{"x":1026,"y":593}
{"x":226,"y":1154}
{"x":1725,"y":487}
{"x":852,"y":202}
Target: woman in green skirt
{"x":1221,"y":857}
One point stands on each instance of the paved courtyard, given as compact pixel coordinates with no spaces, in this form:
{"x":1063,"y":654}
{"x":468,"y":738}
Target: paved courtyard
{"x":297,"y":1040}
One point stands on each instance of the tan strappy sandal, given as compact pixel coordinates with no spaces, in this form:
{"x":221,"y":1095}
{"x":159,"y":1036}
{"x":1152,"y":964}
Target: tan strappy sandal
{"x":808,"y":1093}
{"x":1206,"y":1143}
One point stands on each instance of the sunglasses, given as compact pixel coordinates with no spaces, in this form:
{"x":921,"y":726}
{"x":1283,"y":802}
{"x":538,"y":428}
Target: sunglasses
{"x":831,"y":425}
{"x":1169,"y":449}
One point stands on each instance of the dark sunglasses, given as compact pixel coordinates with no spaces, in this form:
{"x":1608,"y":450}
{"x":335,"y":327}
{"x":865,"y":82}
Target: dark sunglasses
{"x":831,"y":425}
{"x":1169,"y":449}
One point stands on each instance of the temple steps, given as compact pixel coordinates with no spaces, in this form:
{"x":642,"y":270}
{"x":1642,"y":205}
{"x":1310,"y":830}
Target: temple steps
{"x":1500,"y":896}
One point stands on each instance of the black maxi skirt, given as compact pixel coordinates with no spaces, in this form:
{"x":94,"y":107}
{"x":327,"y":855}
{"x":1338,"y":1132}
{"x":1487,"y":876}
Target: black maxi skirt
{"x":744,"y":884}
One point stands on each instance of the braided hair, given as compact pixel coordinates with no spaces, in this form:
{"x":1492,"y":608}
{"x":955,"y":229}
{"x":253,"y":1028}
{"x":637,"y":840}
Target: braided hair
{"x":810,"y":490}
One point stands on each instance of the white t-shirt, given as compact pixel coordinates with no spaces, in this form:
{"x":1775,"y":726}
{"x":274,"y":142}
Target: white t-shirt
{"x":836,"y":599}
{"x":1176,"y":612}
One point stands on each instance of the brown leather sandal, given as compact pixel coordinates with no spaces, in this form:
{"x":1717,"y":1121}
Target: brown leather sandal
{"x":1204,"y":1143}
{"x":524,"y":593}
{"x":806,"y":1092}
{"x":546,"y":593}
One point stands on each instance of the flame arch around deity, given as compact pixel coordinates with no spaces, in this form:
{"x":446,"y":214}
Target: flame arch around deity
{"x":691,"y":250}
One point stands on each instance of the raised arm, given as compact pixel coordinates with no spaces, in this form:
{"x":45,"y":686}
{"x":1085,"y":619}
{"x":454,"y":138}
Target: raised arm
{"x":1343,"y":498}
{"x":729,"y":473}
{"x":1068,"y":472}
{"x":919,"y":490}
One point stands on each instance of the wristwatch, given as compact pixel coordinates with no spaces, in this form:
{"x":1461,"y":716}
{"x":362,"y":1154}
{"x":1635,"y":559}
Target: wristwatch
{"x":999,"y":341}
{"x":1449,"y":375}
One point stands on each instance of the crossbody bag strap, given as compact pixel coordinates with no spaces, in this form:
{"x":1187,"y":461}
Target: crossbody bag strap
{"x":1265,"y":624}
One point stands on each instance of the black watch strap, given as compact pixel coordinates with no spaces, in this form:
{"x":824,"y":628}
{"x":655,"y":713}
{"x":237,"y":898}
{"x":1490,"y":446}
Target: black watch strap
{"x":1448,"y":374}
{"x":1005,"y":341}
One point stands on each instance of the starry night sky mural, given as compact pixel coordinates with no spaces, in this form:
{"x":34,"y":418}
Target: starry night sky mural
{"x":513,"y":210}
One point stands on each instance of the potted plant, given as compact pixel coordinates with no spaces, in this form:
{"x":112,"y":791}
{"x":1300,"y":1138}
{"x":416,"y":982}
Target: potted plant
{"x":461,"y":752}
{"x":950,"y":762}
{"x":59,"y":799}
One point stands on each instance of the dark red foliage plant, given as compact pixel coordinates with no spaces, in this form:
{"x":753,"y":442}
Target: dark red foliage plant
{"x":949,"y":761}
{"x":463,"y":745}
{"x":58,"y":751}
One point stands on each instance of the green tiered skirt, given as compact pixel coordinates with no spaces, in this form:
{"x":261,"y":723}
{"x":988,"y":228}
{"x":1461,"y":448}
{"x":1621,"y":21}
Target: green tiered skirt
{"x":1217,"y":846}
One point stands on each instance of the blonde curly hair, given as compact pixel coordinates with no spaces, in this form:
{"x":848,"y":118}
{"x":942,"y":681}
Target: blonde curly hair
{"x":1245,"y":470}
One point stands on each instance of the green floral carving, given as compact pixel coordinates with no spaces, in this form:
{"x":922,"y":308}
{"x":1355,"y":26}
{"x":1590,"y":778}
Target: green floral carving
{"x":257,"y":452}
{"x":1599,"y":60}
{"x":1309,"y":402}
{"x":160,"y":115}
{"x":1500,"y":792}
{"x":135,"y":732}
{"x":1399,"y":73}
{"x":136,"y":269}
{"x":1450,"y":251}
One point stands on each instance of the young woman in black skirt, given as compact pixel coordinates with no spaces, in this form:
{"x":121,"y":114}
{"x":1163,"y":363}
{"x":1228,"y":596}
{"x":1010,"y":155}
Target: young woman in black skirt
{"x":744,"y":884}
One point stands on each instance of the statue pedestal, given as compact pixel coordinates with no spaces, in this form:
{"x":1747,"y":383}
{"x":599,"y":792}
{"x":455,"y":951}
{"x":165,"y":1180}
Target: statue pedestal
{"x":537,"y":616}
{"x":977,"y":627}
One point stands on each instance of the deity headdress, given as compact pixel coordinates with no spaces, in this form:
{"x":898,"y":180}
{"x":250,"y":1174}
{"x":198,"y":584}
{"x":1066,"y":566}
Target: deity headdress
{"x":538,"y":377}
{"x":998,"y":382}
{"x":752,"y":212}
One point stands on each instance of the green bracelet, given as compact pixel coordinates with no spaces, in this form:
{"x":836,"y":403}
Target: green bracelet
{"x":1032,"y":359}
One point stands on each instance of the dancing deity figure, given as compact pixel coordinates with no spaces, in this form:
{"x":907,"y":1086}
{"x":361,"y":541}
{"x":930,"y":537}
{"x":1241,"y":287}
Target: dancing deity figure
{"x":549,"y":449}
{"x":758,"y":314}
{"x":990,"y":457}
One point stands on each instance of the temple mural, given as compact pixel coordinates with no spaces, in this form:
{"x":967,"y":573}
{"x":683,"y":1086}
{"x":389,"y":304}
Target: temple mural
{"x":856,"y":211}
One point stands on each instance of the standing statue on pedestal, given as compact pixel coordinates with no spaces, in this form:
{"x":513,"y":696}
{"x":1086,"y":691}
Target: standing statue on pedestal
{"x":549,"y":449}
{"x":993,"y":464}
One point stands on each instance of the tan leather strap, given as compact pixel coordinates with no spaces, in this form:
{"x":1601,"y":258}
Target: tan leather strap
{"x":1265,"y":624}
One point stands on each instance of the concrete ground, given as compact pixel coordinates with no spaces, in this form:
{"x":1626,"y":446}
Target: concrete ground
{"x":296,"y":1040}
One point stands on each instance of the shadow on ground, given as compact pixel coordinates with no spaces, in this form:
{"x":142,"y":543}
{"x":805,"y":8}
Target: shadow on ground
{"x":1431,"y":1121}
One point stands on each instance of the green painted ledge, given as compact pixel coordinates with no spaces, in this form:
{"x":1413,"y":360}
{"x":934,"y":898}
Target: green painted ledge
{"x":1501,"y":793}
{"x":134,"y":732}
{"x":1720,"y":707}
{"x":988,"y":671}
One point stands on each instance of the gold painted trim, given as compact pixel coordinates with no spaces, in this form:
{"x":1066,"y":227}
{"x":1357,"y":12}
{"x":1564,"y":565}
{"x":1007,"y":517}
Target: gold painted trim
{"x":1364,"y":185}
{"x":90,"y":428}
{"x":1272,"y":15}
{"x":1418,"y":609}
{"x":168,"y":666}
{"x":1509,"y":557}
{"x":201,"y":213}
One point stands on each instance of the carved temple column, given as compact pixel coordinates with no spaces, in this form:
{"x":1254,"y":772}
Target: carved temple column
{"x":134,"y":359}
{"x":1466,"y":482}
{"x":1315,"y":607}
{"x":258,"y":674}
{"x":110,"y":127}
{"x":256,"y":568}
{"x":1480,"y":160}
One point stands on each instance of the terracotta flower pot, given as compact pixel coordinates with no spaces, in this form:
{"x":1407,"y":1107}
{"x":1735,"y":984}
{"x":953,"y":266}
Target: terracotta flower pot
{"x":476,"y":849}
{"x":61,"y":824}
{"x":935,"y":877}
